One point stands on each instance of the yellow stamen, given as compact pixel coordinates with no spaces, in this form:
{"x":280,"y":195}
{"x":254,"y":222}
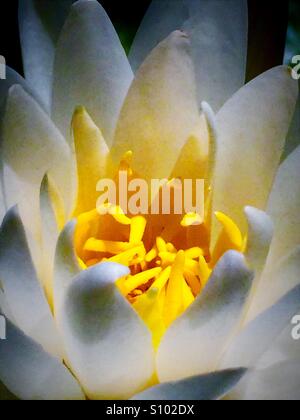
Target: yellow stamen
{"x":151,"y":255}
{"x":139,"y":279}
{"x":129,"y":257}
{"x":110,"y":247}
{"x":174,"y":299}
{"x":161,"y":245}
{"x":137,"y":230}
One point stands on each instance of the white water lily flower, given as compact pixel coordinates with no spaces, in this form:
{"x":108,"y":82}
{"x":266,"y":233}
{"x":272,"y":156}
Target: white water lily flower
{"x":117,"y":306}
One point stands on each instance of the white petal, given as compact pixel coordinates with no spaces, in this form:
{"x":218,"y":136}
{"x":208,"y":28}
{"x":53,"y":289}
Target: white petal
{"x":24,"y":295}
{"x":293,"y":138}
{"x":208,"y":387}
{"x":260,"y":234}
{"x":107,"y":345}
{"x":12,"y":78}
{"x":276,"y":282}
{"x":50,"y":232}
{"x":32,"y":374}
{"x":219,"y":36}
{"x":2,"y":200}
{"x":252,"y":128}
{"x":40,"y":24}
{"x":32,"y":146}
{"x":283,"y":207}
{"x":160,"y":111}
{"x":91,"y":69}
{"x":194,"y":343}
{"x":161,"y":18}
{"x":219,"y":47}
{"x":66,"y":265}
{"x":259,"y":336}
{"x":277,"y":383}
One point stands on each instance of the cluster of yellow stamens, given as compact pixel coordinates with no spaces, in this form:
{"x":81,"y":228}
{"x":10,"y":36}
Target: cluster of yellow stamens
{"x":165,"y":278}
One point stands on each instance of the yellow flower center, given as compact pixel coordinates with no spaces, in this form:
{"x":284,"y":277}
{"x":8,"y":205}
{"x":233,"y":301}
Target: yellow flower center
{"x":168,"y":256}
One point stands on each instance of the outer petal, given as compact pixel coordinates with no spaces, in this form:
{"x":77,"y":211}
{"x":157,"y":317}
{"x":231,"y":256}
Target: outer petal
{"x":161,"y":19}
{"x":12,"y":78}
{"x":32,"y":146}
{"x":2,"y":202}
{"x":40,"y":24}
{"x":194,"y":343}
{"x":259,"y":336}
{"x":211,"y":386}
{"x":277,"y":383}
{"x":160,"y":111}
{"x":96,"y":74}
{"x":66,"y":266}
{"x":293,"y":139}
{"x":274,"y":284}
{"x":260,"y":234}
{"x":219,"y":47}
{"x":22,"y":290}
{"x":283,"y":207}
{"x":252,"y":127}
{"x":52,"y":218}
{"x":31,"y":373}
{"x":107,"y":345}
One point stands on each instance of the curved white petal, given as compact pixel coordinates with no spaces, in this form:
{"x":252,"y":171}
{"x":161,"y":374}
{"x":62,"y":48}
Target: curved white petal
{"x":259,"y":335}
{"x":252,"y":128}
{"x":51,"y":214}
{"x":108,"y":346}
{"x":40,"y":23}
{"x":283,"y":207}
{"x":32,"y":147}
{"x":161,"y":18}
{"x":276,"y":282}
{"x":276,"y":383}
{"x":2,"y":200}
{"x":31,"y":373}
{"x":66,"y":266}
{"x":293,"y":138}
{"x":219,"y":47}
{"x":211,"y":386}
{"x":195,"y":342}
{"x":11,"y":79}
{"x":22,"y":290}
{"x":260,"y":234}
{"x":91,"y":69}
{"x":160,"y":111}
{"x":219,"y":36}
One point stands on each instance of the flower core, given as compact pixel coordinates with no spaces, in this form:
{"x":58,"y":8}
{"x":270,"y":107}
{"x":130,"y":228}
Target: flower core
{"x":168,"y":256}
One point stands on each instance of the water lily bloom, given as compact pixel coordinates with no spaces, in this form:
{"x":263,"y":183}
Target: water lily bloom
{"x":119,"y":305}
